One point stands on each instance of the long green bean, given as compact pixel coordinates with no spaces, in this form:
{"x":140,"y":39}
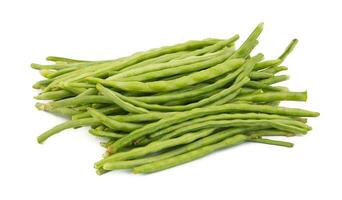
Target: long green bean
{"x":198,"y":112}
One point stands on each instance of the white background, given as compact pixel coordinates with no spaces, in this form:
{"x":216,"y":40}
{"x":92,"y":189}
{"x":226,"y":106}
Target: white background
{"x":62,"y":167}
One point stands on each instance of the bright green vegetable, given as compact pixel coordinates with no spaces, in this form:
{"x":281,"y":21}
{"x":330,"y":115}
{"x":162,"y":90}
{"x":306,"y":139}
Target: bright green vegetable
{"x":167,"y":106}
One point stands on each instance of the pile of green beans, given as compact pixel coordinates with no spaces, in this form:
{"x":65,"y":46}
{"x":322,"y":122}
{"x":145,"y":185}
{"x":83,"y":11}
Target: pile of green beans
{"x":163,"y":107}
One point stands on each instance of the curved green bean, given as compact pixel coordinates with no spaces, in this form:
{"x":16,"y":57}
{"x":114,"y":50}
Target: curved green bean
{"x":113,"y":124}
{"x":115,"y":97}
{"x":199,"y":112}
{"x":189,"y":156}
{"x":163,"y":86}
{"x":181,"y":69}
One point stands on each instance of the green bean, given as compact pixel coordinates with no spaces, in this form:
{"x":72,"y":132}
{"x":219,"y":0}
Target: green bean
{"x":161,"y":59}
{"x":163,"y":86}
{"x":272,"y":142}
{"x":167,"y":65}
{"x":192,"y":99}
{"x":67,"y":125}
{"x":248,"y":67}
{"x":275,"y":79}
{"x":189,"y":156}
{"x":81,"y":100}
{"x":89,"y":91}
{"x":68,"y":60}
{"x":101,"y":133}
{"x":259,"y":85}
{"x":105,"y":110}
{"x":193,"y":92}
{"x":288,"y":50}
{"x":101,"y":68}
{"x":42,"y":84}
{"x":46,"y":72}
{"x":285,"y":125}
{"x":256,"y":75}
{"x":181,"y":69}
{"x":151,"y":116}
{"x":61,"y":72}
{"x":267,"y":64}
{"x":246,"y":90}
{"x":64,"y":111}
{"x":249,"y":43}
{"x":113,"y":124}
{"x":54,"y":95}
{"x":226,"y":99}
{"x":115,"y":97}
{"x":275,"y":69}
{"x":157,"y":146}
{"x":213,"y":98}
{"x":62,"y":66}
{"x":80,"y":85}
{"x":270,"y":132}
{"x":218,"y":117}
{"x":75,"y":90}
{"x":275,"y":96}
{"x":211,"y":139}
{"x":199,"y":112}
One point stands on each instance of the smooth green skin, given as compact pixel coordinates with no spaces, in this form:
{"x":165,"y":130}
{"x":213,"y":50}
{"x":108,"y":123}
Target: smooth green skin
{"x":266,"y":64}
{"x":123,"y":126}
{"x":105,"y":110}
{"x":259,"y":85}
{"x":62,"y":66}
{"x":81,"y":100}
{"x":161,"y":59}
{"x":67,"y":125}
{"x":270,"y":132}
{"x":63,"y":59}
{"x":80,"y":85}
{"x":211,"y":139}
{"x":256,"y":75}
{"x":223,"y":93}
{"x":275,"y":96}
{"x":181,"y":69}
{"x":217,"y":137}
{"x":218,"y":117}
{"x":275,"y":69}
{"x":54,"y":95}
{"x":42,"y":84}
{"x":115,"y":97}
{"x":226,"y":99}
{"x":189,"y":156}
{"x":189,"y":100}
{"x":61,"y":72}
{"x":180,"y":55}
{"x":275,"y":79}
{"x":199,"y":112}
{"x":75,"y":90}
{"x":246,"y":90}
{"x":167,"y":65}
{"x":101,"y":133}
{"x":284,"y":125}
{"x":164,"y":86}
{"x":191,"y":93}
{"x":248,"y":66}
{"x":156,"y":147}
{"x":113,"y":124}
{"x":89,"y":91}
{"x":271,"y":142}
{"x":151,"y":116}
{"x":63,"y":111}
{"x":99,"y":69}
{"x":288,"y":50}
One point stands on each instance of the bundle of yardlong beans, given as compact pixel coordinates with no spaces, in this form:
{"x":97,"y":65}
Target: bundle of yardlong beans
{"x":167,"y":106}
